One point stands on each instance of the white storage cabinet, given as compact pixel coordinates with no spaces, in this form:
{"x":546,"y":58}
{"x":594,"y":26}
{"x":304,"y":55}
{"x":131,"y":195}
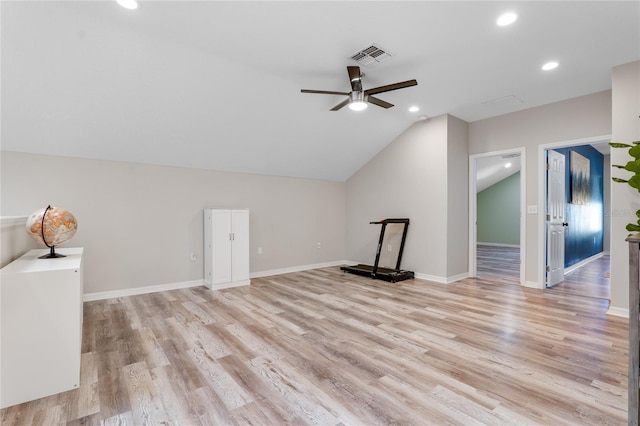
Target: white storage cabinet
{"x":226,"y":248}
{"x":41,"y":326}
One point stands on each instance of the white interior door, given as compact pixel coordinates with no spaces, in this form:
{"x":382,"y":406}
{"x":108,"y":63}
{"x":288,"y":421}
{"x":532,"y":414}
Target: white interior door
{"x":555,"y":217}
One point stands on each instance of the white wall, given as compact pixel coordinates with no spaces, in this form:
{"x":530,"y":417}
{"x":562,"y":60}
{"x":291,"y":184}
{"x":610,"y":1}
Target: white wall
{"x":572,"y":119}
{"x":140,"y":223}
{"x":415,"y":176}
{"x":14,"y":240}
{"x":457,"y":197}
{"x":624,"y":199}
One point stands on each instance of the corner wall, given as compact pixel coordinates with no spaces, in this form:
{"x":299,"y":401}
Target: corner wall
{"x":624,"y":199}
{"x":14,"y":240}
{"x":421,"y":175}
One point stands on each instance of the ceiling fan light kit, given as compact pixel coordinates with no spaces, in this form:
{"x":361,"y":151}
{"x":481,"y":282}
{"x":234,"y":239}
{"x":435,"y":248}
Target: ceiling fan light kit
{"x":357,"y":101}
{"x":359,"y":98}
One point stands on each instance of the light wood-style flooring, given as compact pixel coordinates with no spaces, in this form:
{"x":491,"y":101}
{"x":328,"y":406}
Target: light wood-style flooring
{"x":589,"y":280}
{"x":502,"y":266}
{"x":329,"y":348}
{"x":498,"y":263}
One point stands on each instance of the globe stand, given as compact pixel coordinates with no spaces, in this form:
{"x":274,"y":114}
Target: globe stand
{"x":52,"y":254}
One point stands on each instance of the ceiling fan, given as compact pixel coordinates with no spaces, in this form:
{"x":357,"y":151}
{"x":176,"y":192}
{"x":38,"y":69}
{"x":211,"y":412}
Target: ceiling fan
{"x":358,"y":98}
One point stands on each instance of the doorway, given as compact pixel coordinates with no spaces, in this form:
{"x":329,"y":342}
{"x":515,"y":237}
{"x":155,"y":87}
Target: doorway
{"x":586,"y":226}
{"x":497,"y":246}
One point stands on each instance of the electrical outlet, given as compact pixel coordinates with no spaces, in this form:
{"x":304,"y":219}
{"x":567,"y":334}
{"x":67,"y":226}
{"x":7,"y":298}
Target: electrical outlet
{"x":318,"y":245}
{"x":389,"y":247}
{"x":259,"y":250}
{"x":194,"y":257}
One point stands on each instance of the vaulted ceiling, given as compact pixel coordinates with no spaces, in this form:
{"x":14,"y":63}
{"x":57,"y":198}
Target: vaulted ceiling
{"x":216,"y":85}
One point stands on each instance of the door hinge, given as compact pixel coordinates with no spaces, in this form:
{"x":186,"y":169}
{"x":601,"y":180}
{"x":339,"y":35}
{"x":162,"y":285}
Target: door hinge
{"x":548,"y":269}
{"x":548,"y":217}
{"x":548,"y":166}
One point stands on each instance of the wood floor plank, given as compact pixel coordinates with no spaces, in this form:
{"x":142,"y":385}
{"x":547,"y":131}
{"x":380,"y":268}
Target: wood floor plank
{"x":325,"y":347}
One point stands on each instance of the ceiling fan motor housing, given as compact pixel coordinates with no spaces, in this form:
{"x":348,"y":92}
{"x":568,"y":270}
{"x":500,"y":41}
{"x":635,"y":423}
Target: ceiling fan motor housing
{"x":357,"y":97}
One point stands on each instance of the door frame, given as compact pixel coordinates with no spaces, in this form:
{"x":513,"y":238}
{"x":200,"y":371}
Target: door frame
{"x":542,"y":196}
{"x":473,"y":208}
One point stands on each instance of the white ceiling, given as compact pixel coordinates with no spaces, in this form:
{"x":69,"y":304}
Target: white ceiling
{"x":216,"y":85}
{"x":491,"y":170}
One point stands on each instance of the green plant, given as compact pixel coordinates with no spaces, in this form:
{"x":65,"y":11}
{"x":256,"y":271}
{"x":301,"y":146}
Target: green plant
{"x":632,"y":166}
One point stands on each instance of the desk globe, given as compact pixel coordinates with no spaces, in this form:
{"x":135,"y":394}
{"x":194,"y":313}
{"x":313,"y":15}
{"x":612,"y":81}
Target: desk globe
{"x":52,"y":226}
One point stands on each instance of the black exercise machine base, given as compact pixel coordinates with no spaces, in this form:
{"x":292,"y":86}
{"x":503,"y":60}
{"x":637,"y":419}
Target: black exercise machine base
{"x":386,"y":274}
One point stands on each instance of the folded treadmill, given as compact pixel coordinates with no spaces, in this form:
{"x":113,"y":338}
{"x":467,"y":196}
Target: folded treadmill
{"x":382,"y":273}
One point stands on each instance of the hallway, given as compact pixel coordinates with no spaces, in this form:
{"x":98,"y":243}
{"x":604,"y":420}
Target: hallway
{"x":502,"y":265}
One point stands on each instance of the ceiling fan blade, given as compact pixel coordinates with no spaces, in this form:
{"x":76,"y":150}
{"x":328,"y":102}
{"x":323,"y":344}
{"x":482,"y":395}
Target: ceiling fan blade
{"x":355,"y":77}
{"x":324,"y":92}
{"x":340,"y":105}
{"x":391,"y":87}
{"x":379,"y":102}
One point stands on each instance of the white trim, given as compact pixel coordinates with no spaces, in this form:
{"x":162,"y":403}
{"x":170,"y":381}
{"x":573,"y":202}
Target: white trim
{"x":542,"y":202}
{"x":7,"y":221}
{"x":112,"y":294}
{"x":442,"y":280}
{"x":481,"y":243}
{"x":89,"y":297}
{"x":582,"y":263}
{"x":618,"y":312}
{"x":299,"y":268}
{"x":231,"y":284}
{"x":473,"y":210}
{"x":533,"y":284}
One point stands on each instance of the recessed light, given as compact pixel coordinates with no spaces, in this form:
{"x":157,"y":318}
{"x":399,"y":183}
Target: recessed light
{"x":414,"y":109}
{"x":506,"y":19}
{"x":423,"y":117}
{"x":128,"y":4}
{"x":550,"y":66}
{"x":506,"y":166}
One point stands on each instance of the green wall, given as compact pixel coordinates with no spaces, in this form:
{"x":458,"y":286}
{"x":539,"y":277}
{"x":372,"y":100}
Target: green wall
{"x":499,"y":212}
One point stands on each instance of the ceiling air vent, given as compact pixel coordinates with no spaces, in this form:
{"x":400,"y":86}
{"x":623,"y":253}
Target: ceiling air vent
{"x":371,"y":56}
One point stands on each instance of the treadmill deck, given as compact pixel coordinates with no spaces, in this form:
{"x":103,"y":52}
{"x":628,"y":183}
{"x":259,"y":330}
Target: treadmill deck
{"x":386,"y":274}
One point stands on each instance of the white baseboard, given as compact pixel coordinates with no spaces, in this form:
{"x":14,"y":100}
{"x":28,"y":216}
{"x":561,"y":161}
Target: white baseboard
{"x":228,"y":285}
{"x":533,"y":284}
{"x":618,"y":312}
{"x":442,"y":280}
{"x":583,"y":262}
{"x":498,"y":245}
{"x":88,"y":297}
{"x":299,"y":268}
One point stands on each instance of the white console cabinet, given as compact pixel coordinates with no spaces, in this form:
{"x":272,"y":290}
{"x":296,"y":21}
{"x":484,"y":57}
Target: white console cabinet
{"x":226,"y":248}
{"x":41,"y":326}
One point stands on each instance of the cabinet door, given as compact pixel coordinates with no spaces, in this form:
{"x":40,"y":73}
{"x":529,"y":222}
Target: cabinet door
{"x":221,"y":246}
{"x":240,"y":245}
